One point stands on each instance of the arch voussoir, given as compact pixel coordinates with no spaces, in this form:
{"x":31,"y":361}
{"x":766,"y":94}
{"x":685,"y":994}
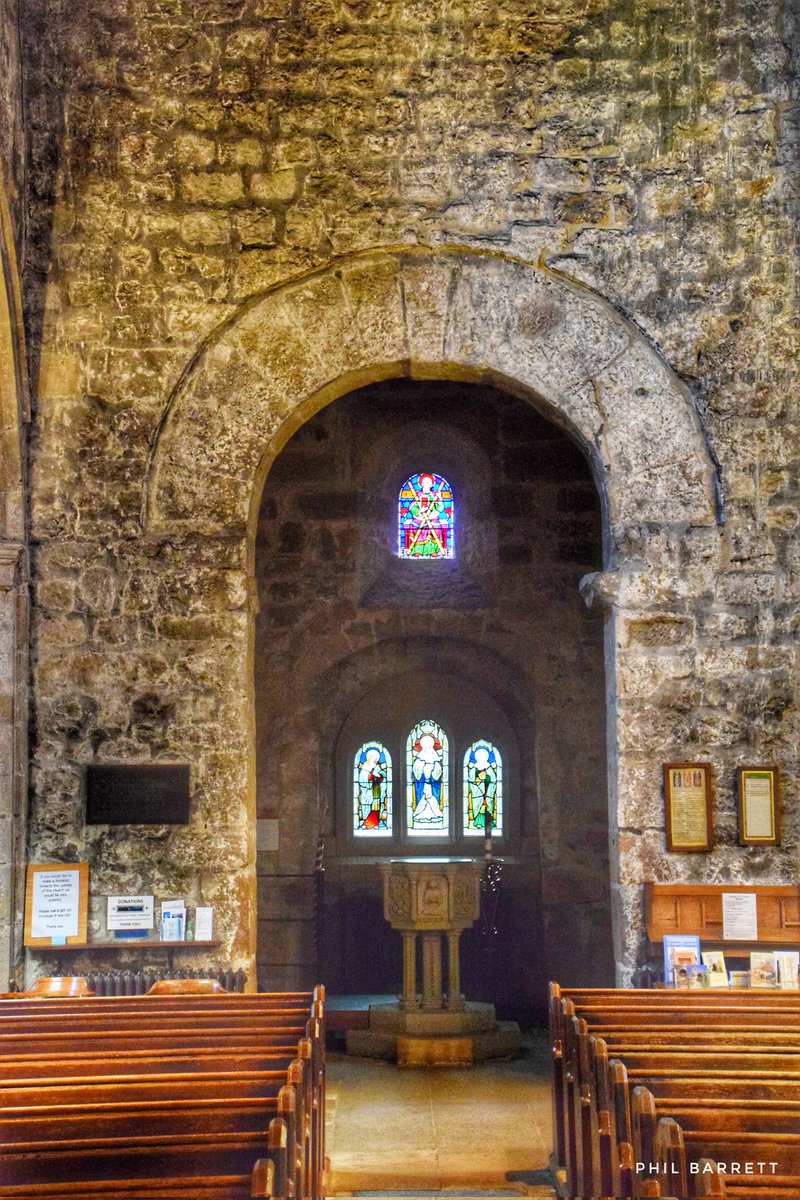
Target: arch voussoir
{"x":417,"y":311}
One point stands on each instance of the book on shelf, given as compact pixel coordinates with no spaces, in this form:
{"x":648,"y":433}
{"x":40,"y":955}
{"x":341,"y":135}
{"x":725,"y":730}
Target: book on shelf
{"x":680,"y":950}
{"x":714,"y":961}
{"x":762,"y":969}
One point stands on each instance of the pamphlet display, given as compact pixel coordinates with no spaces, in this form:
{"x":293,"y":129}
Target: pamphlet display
{"x":680,"y":952}
{"x":714,"y":961}
{"x":173,"y":920}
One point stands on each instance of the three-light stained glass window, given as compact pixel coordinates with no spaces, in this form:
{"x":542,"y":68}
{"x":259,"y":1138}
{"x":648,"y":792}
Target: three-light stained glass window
{"x":426,"y":517}
{"x":483,"y":789}
{"x":372,"y":791}
{"x":428,"y":802}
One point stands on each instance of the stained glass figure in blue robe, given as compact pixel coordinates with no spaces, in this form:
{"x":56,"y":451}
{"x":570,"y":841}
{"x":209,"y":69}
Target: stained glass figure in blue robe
{"x":428,"y":805}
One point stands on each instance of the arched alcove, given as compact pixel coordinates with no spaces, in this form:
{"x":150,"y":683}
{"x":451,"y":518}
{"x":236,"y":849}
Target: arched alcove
{"x":354,"y":643}
{"x":458,"y":315}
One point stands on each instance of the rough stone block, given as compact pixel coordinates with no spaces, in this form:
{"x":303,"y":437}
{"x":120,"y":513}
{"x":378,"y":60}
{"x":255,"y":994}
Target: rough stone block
{"x":212,"y":187}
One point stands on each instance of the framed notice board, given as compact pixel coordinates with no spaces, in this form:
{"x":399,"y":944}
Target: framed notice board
{"x":56,"y":904}
{"x":688,"y":807}
{"x":759,"y":806}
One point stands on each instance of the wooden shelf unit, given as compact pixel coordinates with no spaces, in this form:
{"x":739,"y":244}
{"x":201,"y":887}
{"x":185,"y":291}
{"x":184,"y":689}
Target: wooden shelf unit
{"x":129,"y":944}
{"x":696,"y":908}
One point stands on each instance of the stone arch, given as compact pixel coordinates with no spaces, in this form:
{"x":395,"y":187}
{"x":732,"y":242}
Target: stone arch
{"x":475,"y":317}
{"x":412,"y":311}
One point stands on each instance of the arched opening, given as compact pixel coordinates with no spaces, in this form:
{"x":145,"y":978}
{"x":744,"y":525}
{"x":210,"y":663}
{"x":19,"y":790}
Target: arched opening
{"x":354,"y":643}
{"x":415,"y":313}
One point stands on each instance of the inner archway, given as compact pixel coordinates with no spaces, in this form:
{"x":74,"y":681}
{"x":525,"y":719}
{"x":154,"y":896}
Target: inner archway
{"x":353,"y":643}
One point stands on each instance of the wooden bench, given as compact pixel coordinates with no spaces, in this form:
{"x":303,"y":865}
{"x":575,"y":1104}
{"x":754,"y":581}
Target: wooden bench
{"x":606,"y":1121}
{"x":223,"y":1101}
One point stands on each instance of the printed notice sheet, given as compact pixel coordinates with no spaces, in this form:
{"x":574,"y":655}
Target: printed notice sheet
{"x":758,"y":805}
{"x":689,"y":811}
{"x":739,"y":921}
{"x":56,"y":896}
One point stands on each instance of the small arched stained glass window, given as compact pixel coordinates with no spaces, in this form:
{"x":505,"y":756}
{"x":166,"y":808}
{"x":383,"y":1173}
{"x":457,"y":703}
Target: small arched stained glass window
{"x":372,"y":791}
{"x":483,"y":789}
{"x":426,"y":517}
{"x":428,"y":802}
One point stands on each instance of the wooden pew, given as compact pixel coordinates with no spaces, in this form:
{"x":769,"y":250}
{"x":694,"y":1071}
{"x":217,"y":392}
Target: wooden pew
{"x":602,"y":1130}
{"x":106,"y":1140}
{"x":110,"y":1118}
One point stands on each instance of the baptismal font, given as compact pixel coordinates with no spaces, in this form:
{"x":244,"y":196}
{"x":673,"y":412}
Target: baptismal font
{"x":433,"y":899}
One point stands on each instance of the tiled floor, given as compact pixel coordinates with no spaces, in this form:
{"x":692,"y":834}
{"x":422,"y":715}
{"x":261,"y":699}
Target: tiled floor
{"x":484,"y":1128}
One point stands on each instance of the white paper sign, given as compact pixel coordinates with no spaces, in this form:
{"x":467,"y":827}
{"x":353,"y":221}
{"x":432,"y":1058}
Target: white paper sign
{"x":739,"y":921}
{"x":203,"y":924}
{"x":130,"y":912}
{"x":54,"y":912}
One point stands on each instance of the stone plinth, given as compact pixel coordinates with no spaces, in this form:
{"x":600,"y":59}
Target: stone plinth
{"x":432,"y":898}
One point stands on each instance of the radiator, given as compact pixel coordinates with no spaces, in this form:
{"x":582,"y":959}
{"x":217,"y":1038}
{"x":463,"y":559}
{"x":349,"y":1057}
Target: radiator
{"x":136,"y":983}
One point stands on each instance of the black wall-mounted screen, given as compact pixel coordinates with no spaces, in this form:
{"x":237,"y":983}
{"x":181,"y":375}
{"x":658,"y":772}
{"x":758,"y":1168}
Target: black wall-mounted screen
{"x":137,"y":794}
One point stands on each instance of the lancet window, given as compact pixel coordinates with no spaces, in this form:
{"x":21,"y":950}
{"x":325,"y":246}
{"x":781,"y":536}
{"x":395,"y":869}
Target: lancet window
{"x":372,"y":791}
{"x":483,"y":790}
{"x":427,"y":783}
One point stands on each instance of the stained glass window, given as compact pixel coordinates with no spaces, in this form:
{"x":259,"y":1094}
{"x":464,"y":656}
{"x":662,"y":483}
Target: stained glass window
{"x":483,"y":788}
{"x":372,"y":791}
{"x":425,"y":522}
{"x":427,"y":807}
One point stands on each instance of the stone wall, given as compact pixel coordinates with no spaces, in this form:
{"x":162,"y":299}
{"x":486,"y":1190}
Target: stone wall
{"x":214,"y":150}
{"x":343,"y":621}
{"x":12,"y":138}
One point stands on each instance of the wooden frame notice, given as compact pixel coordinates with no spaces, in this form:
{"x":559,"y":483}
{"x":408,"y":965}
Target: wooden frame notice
{"x":759,"y":806}
{"x":56,"y":904}
{"x":688,"y":807}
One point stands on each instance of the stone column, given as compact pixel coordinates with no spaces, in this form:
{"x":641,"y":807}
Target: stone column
{"x":432,"y":972}
{"x":455,"y":1000}
{"x":409,"y":1000}
{"x":13,"y":754}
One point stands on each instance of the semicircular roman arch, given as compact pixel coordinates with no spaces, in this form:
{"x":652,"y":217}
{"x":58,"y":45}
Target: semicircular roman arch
{"x":445,"y":313}
{"x":475,"y":317}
